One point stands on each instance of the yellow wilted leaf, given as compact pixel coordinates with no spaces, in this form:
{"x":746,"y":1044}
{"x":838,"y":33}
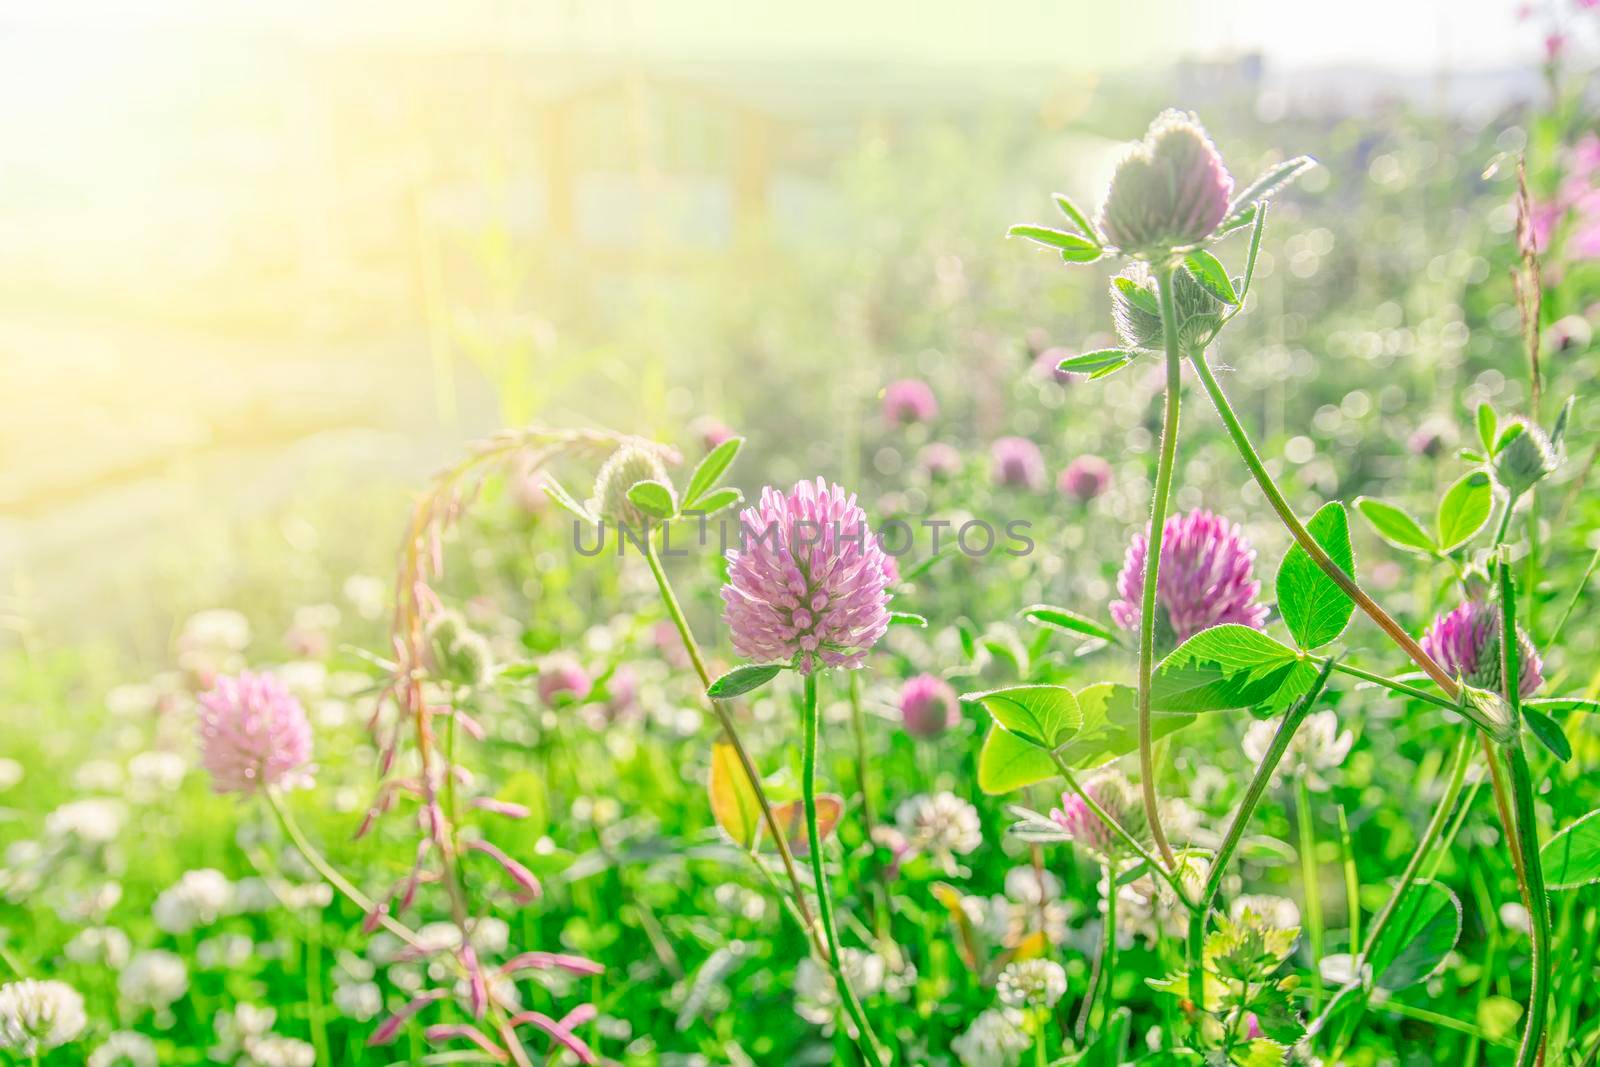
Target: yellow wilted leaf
{"x":733,"y":800}
{"x":792,"y":818}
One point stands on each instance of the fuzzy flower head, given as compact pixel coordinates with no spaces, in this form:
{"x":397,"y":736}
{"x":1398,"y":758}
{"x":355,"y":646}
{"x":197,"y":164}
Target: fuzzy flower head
{"x":909,"y":400}
{"x":1319,"y":745}
{"x":1032,"y":984}
{"x":563,"y":679}
{"x":1017,"y":461}
{"x":1171,"y":191}
{"x":996,"y":1038}
{"x":627,"y":467}
{"x":939,"y":460}
{"x":1205,"y":579}
{"x":1118,"y":798}
{"x":1466,"y":642}
{"x":940,"y":825}
{"x":1526,"y":457}
{"x":253,"y":734}
{"x":928,"y":706}
{"x":36,"y":1016}
{"x":1085,"y":478}
{"x":809,"y":582}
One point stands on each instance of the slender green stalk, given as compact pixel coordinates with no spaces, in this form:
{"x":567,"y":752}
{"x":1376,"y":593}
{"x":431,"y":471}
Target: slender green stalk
{"x":1165,"y":874}
{"x":1259,"y":784}
{"x":866,"y":1041}
{"x":779,"y":839}
{"x":1577,"y":594}
{"x":1152,"y":558}
{"x":1396,"y":685}
{"x":1108,"y":977}
{"x":1352,"y":880}
{"x":1311,"y":881}
{"x":869,"y":817}
{"x":1302,"y":536}
{"x":1532,"y":1048}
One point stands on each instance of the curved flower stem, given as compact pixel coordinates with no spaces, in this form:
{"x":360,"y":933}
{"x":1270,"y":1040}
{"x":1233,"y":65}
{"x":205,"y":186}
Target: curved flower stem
{"x":1230,"y":841}
{"x":331,"y":875}
{"x":1408,"y":877}
{"x":1532,"y":1048}
{"x":1168,"y":875}
{"x":1152,"y":557}
{"x":681,"y":622}
{"x":1394,"y":684}
{"x":1302,"y":536}
{"x":866,"y":1041}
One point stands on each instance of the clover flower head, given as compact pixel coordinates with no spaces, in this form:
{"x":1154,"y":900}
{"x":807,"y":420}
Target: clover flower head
{"x":1526,"y":459}
{"x":154,"y":979}
{"x":125,"y":1048}
{"x":198,"y":898}
{"x":816,"y":996}
{"x":1466,"y":642}
{"x":1136,"y":310}
{"x":253,"y":734}
{"x":808,"y":586}
{"x":712,"y":432}
{"x":1032,"y":984}
{"x":1017,"y":461}
{"x":1170,"y":191}
{"x":928,"y":706}
{"x":939,"y":460}
{"x":626,"y":468}
{"x":1118,"y":798}
{"x":563,"y":679}
{"x":1318,"y":745}
{"x":1205,"y":578}
{"x":1085,"y":478}
{"x":997,"y":1038}
{"x":941,"y":825}
{"x":909,"y":400}
{"x":36,"y":1016}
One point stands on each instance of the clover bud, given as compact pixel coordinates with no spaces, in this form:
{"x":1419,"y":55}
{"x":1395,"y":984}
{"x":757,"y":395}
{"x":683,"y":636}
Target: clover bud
{"x":460,"y":654}
{"x":627,"y":467}
{"x":1524,"y":457}
{"x":1136,"y":310}
{"x":1170,"y":192}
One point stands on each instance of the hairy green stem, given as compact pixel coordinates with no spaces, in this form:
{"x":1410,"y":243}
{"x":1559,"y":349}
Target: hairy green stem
{"x":1311,"y":882}
{"x":681,"y":622}
{"x":1152,"y":557}
{"x":1108,"y":974}
{"x":1259,"y":784}
{"x":1165,"y":874}
{"x":1532,"y":1048}
{"x":1396,"y":685}
{"x":866,"y":1041}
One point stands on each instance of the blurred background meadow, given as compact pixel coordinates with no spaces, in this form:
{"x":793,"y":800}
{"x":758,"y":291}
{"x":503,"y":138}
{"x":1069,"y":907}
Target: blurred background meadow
{"x":267,"y":271}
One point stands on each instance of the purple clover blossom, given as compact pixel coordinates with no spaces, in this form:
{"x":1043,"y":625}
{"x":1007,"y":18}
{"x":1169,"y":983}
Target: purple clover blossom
{"x":1205,"y":578}
{"x":1117,"y":797}
{"x":1170,"y":192}
{"x":909,"y":400}
{"x":253,"y":733}
{"x":928,"y":706}
{"x":939,"y":460}
{"x":809,"y":582}
{"x":1017,"y":461}
{"x":1466,"y":642}
{"x":1085,"y":478}
{"x":563,"y":677}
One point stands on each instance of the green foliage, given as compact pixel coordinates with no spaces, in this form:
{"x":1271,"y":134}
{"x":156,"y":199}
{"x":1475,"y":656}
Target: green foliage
{"x":1572,"y":857}
{"x":1313,"y":606}
{"x":1230,"y":666}
{"x":1464,"y":509}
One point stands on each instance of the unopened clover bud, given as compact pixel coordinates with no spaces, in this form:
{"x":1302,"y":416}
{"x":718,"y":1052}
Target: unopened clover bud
{"x":1136,"y":310}
{"x":627,"y":467}
{"x":1170,"y":192}
{"x":460,"y":654}
{"x":1524,"y":457}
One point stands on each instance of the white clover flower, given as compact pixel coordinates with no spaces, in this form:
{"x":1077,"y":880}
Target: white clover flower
{"x":92,"y":820}
{"x":276,"y":1051}
{"x":1025,"y":885}
{"x":125,"y":1048}
{"x":218,"y":628}
{"x":10,"y":773}
{"x":1317,"y":746}
{"x":995,"y":1039}
{"x":97,"y":776}
{"x":133,"y":700}
{"x":36,"y":1016}
{"x":252,"y":896}
{"x":99,"y":946}
{"x":238,"y":1028}
{"x":816,"y":997}
{"x":940,"y":824}
{"x":1279,"y":912}
{"x":490,"y":936}
{"x":225,"y":952}
{"x":154,"y":979}
{"x":1147,"y":908}
{"x":1035,"y":984}
{"x":199,"y":898}
{"x":150,"y":774}
{"x":90,"y":903}
{"x":360,"y":1001}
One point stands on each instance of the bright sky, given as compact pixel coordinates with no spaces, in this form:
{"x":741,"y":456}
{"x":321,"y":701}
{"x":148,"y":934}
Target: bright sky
{"x":1419,"y":35}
